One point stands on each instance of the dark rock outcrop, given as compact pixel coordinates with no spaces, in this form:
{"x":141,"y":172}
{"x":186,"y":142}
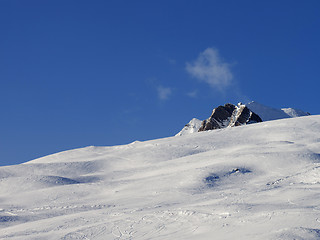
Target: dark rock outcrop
{"x":229,"y":115}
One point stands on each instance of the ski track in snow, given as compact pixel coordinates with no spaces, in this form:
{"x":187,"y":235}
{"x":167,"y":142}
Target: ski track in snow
{"x":260,"y":181}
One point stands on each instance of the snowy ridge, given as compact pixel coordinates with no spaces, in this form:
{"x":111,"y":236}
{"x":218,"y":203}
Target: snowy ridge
{"x":268,"y":113}
{"x":294,"y":112}
{"x":236,"y":114}
{"x":264,"y":112}
{"x":191,"y":127}
{"x":258,"y":181}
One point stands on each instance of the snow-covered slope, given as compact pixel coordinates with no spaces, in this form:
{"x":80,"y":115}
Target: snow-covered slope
{"x":191,"y":127}
{"x":291,"y":112}
{"x":268,"y":113}
{"x":259,"y":181}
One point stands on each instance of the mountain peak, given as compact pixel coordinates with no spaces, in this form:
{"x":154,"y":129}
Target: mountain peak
{"x":269,"y":113}
{"x":230,"y":115}
{"x":191,"y":127}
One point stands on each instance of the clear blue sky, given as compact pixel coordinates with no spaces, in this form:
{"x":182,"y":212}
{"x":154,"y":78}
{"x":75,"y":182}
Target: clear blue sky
{"x":78,"y":73}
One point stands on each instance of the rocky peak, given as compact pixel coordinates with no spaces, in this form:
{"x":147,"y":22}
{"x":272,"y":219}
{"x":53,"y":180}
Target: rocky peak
{"x":229,"y":115}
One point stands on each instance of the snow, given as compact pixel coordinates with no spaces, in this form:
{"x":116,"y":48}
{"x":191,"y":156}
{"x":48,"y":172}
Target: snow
{"x":294,"y":112}
{"x":236,"y":114}
{"x":264,"y":112}
{"x":258,"y":181}
{"x":192,"y":127}
{"x":268,"y":113}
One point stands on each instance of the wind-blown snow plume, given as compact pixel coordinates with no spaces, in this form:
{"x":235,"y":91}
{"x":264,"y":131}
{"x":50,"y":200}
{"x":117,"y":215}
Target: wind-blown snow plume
{"x":210,"y":68}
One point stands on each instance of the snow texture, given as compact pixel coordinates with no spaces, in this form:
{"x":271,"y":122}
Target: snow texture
{"x":258,"y":181}
{"x":192,"y":127}
{"x":268,"y":113}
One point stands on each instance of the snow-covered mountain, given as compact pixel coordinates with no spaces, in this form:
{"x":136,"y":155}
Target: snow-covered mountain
{"x":191,"y":127}
{"x":231,"y":115}
{"x":257,"y":181}
{"x":268,"y":113}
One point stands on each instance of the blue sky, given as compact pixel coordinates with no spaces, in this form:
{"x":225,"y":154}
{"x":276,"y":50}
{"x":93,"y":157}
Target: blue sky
{"x":78,"y":73}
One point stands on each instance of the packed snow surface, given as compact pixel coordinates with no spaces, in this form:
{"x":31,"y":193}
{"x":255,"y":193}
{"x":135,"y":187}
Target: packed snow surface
{"x":259,"y":181}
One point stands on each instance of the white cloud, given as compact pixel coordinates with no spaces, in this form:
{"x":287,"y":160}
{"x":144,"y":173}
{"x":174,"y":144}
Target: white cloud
{"x":210,"y":68}
{"x":163,"y":92}
{"x":193,"y":94}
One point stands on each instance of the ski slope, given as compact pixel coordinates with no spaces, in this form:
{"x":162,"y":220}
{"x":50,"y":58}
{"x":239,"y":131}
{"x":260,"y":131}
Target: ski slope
{"x":258,"y":181}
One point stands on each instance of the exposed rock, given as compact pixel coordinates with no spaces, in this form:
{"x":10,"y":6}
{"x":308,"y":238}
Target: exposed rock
{"x":229,"y":115}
